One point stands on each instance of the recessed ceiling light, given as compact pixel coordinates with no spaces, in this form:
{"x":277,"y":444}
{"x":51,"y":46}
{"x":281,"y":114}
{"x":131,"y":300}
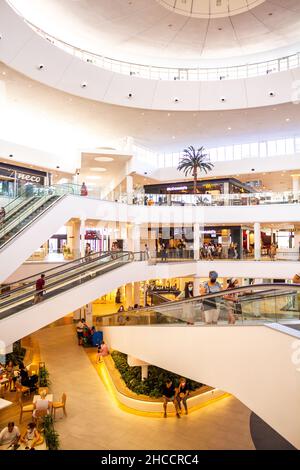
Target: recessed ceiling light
{"x":100,"y":169}
{"x":104,"y":159}
{"x":3,"y":73}
{"x":288,"y":119}
{"x":173,"y":137}
{"x":229,"y":128}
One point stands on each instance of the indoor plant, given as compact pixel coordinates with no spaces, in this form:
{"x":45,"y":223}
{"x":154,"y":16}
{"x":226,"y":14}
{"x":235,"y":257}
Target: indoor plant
{"x":194,"y":160}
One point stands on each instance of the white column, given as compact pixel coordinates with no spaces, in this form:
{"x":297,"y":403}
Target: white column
{"x":144,"y":370}
{"x":73,"y":237}
{"x":129,"y":189}
{"x":89,"y":314}
{"x":82,"y":235}
{"x":196,"y":241}
{"x":296,"y":186}
{"x":197,"y":283}
{"x":226,"y":193}
{"x":134,"y":362}
{"x":257,"y":241}
{"x":134,"y":237}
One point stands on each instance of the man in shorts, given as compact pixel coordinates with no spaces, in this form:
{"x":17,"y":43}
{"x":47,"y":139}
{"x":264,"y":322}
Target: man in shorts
{"x":169,"y":394}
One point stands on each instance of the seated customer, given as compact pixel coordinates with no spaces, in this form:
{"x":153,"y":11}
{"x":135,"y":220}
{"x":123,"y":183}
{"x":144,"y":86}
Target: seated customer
{"x":42,"y":404}
{"x":10,"y":435}
{"x":25,"y":379}
{"x":182,"y":394}
{"x":102,"y":351}
{"x":31,"y":437}
{"x":169,"y":394}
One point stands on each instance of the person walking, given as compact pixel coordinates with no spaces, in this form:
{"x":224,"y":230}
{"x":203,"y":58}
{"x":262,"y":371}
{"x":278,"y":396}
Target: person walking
{"x":79,"y":331}
{"x":211,"y":305}
{"x":83,"y":190}
{"x":147,"y":253}
{"x":231,"y":300}
{"x":163,"y":252}
{"x":39,"y":286}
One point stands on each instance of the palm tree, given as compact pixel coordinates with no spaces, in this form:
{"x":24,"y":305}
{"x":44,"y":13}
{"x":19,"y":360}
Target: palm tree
{"x":193,"y":161}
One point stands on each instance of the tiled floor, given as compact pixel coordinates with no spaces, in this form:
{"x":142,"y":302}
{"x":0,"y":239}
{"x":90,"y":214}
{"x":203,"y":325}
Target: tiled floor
{"x":94,"y":420}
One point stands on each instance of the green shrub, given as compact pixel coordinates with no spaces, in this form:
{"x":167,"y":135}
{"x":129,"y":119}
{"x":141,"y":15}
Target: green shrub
{"x":51,"y":436}
{"x":44,"y":380}
{"x":154,"y":384}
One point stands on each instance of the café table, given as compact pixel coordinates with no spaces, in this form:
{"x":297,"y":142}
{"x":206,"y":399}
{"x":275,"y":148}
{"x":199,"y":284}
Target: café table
{"x":4,"y":403}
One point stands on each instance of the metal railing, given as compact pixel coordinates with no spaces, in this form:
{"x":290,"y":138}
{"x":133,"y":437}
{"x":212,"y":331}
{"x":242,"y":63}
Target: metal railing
{"x":171,"y":73}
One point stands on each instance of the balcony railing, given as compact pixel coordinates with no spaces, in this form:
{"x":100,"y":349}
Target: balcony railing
{"x":172,"y":73}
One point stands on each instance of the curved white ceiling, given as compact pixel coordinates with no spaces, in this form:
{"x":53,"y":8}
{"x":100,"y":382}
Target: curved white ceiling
{"x":144,"y":31}
{"x":209,"y":8}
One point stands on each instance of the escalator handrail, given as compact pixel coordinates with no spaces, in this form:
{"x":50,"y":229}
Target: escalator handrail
{"x":38,"y":201}
{"x":16,"y":235}
{"x":10,"y":213}
{"x":200,"y":298}
{"x":84,"y":261}
{"x":28,"y":295}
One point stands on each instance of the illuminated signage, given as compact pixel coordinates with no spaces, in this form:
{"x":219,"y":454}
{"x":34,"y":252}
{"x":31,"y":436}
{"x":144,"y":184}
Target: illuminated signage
{"x":177,"y":188}
{"x":29,"y":178}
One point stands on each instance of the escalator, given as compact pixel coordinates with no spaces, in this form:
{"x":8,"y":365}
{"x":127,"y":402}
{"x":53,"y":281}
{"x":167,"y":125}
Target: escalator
{"x":252,"y":359}
{"x":21,"y":295}
{"x":257,"y":359}
{"x":254,"y":305}
{"x":21,"y":212}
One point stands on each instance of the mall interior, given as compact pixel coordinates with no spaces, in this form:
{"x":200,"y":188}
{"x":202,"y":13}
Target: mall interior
{"x":154,"y":144}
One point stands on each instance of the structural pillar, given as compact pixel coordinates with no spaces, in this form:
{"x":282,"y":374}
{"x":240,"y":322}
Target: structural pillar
{"x":197,"y":284}
{"x":128,"y":295}
{"x":82,"y":237}
{"x":196,"y":241}
{"x":73,"y":238}
{"x":137,"y":293}
{"x":257,"y":241}
{"x":134,"y":362}
{"x":129,"y":189}
{"x":296,"y":186}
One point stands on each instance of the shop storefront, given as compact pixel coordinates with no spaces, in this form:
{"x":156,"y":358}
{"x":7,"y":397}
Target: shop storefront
{"x":15,"y":178}
{"x":208,"y":187}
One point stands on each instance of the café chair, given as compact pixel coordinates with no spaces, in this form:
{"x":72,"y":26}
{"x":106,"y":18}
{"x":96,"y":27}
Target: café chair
{"x":60,"y":404}
{"x":24,"y":409}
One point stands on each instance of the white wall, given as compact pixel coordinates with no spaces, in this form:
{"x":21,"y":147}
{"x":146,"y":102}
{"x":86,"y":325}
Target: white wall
{"x":38,"y":157}
{"x":232,"y":167}
{"x":253,"y":363}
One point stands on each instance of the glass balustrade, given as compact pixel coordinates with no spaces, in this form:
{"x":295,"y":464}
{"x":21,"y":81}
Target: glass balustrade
{"x":22,"y":294}
{"x":248,"y":305}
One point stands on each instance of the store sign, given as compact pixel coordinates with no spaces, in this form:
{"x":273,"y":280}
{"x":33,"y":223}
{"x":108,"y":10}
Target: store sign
{"x":29,"y":178}
{"x":92,"y":235}
{"x":177,"y":188}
